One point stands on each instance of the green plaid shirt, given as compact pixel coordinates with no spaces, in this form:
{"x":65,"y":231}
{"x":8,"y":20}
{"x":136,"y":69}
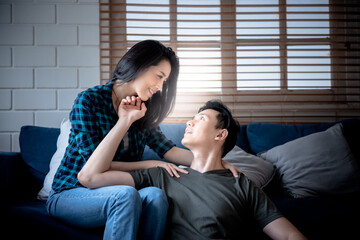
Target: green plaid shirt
{"x":92,"y":117}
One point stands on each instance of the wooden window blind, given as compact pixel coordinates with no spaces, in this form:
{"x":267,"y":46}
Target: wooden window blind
{"x":285,"y":61}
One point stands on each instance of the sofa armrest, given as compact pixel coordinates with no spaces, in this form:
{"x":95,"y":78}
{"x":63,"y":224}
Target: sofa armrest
{"x":16,"y":182}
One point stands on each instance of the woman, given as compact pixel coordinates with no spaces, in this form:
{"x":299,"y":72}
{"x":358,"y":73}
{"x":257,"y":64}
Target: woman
{"x":103,"y":127}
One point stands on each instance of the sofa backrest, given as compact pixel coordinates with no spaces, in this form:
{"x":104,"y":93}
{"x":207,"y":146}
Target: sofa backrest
{"x":38,"y":144}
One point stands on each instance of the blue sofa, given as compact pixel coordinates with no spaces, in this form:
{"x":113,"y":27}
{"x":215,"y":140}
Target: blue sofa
{"x":22,"y":175}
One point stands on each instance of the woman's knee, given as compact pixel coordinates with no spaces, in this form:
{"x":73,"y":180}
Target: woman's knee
{"x":126,"y":193}
{"x":126,"y":197}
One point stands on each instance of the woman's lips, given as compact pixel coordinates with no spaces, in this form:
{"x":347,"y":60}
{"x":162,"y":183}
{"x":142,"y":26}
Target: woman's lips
{"x":151,"y":92}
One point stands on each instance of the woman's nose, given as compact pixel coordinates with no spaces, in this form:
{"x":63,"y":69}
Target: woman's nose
{"x":160,"y":85}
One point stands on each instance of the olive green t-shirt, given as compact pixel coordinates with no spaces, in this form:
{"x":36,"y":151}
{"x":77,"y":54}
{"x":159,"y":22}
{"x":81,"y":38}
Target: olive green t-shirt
{"x":210,"y":205}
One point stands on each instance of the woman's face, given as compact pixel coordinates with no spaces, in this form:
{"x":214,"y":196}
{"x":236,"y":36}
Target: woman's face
{"x":152,"y":80}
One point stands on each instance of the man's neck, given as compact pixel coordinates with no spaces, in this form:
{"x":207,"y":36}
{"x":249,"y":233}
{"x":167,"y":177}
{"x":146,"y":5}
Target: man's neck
{"x":206,"y":161}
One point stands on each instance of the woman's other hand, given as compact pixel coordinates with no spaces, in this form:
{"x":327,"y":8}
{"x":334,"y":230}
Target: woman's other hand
{"x":172,"y":169}
{"x":235,"y":171}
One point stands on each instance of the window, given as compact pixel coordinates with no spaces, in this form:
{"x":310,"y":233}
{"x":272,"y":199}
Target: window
{"x":268,"y":60}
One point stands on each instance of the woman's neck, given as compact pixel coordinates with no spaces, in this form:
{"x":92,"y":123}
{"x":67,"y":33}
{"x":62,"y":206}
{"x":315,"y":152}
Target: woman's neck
{"x":121,"y":91}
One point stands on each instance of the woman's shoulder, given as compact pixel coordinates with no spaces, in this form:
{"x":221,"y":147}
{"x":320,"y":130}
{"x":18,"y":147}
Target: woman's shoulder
{"x":94,"y":93}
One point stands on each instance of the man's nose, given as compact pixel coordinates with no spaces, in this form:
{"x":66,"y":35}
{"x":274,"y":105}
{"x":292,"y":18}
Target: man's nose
{"x":189,"y":123}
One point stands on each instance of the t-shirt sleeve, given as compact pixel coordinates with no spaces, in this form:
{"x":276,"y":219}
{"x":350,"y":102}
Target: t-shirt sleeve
{"x":147,"y":178}
{"x":157,"y":141}
{"x":261,"y":207}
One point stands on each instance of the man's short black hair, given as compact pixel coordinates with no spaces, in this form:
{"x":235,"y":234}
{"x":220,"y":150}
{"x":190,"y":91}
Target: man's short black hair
{"x":225,"y":121}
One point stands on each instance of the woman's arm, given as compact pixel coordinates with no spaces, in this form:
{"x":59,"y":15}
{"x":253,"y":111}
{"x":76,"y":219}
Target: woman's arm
{"x":281,"y":228}
{"x":96,"y":171}
{"x":134,"y":166}
{"x":179,"y":156}
{"x":100,"y":170}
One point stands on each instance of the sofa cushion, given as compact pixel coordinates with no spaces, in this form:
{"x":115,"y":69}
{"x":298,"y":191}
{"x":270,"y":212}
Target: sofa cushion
{"x":62,"y":143}
{"x":253,"y":167}
{"x":242,"y":140}
{"x":37,"y":145}
{"x":317,"y":164}
{"x":264,"y":136}
{"x":351,"y":130}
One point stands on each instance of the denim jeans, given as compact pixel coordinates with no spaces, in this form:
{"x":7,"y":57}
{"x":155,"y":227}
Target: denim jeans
{"x":119,"y":208}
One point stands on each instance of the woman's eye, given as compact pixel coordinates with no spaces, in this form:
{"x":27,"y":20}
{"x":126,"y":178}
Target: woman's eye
{"x":160,"y":76}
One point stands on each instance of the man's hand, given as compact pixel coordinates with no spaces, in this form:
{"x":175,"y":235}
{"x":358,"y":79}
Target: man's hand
{"x":131,"y":108}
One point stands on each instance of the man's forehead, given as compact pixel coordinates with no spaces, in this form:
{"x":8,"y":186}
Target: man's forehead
{"x":210,"y":113}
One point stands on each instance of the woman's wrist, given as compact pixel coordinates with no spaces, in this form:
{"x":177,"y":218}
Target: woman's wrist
{"x":124,"y":123}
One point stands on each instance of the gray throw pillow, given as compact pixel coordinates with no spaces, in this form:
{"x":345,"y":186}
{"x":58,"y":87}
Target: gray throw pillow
{"x":255,"y":168}
{"x":318,"y":164}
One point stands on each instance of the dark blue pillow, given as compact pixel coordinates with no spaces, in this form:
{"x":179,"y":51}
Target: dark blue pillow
{"x":264,"y":136}
{"x":37,"y":146}
{"x":242,"y":140}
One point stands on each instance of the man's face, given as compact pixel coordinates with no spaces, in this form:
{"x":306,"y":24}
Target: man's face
{"x":201,"y":131}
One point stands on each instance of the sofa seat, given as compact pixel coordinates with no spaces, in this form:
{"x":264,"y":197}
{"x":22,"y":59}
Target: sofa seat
{"x":325,"y":217}
{"x":30,"y":218}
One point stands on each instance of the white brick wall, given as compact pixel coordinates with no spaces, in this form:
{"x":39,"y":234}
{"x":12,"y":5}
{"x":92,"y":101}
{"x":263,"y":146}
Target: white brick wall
{"x":49,"y":52}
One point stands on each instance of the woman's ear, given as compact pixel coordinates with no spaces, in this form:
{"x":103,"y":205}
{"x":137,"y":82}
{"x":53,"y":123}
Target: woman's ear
{"x":223,"y":133}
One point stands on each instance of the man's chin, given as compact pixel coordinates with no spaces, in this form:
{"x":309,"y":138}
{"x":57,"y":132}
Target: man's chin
{"x":184,"y":142}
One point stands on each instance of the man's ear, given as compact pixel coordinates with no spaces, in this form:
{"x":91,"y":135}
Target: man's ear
{"x":223,"y":133}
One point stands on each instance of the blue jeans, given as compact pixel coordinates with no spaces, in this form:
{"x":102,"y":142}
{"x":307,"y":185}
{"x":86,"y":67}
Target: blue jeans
{"x":119,"y":208}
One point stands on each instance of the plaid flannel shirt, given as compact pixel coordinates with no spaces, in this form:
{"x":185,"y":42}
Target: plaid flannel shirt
{"x":92,"y":117}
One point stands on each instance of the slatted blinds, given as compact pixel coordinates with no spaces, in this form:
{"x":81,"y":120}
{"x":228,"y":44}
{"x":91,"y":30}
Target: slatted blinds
{"x":287,"y":61}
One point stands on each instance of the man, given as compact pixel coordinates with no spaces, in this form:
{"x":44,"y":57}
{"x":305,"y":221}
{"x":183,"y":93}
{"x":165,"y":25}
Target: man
{"x":207,"y":201}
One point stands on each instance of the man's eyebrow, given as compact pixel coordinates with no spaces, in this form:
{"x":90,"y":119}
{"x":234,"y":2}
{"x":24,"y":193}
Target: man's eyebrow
{"x":202,"y":114}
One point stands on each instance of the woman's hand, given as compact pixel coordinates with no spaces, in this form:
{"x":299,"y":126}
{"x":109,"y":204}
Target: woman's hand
{"x":172,"y":169}
{"x":235,"y":171}
{"x":132,"y":108}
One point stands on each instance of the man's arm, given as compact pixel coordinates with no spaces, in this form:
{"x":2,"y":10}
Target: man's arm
{"x":282,"y":228}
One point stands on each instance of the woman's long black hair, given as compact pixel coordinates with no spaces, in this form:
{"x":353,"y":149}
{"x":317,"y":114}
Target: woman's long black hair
{"x":141,"y":56}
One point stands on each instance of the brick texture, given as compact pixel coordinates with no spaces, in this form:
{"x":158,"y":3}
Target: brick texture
{"x":49,"y":52}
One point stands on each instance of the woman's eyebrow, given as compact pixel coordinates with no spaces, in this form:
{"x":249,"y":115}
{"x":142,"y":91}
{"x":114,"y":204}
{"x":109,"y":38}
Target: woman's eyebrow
{"x":163,"y":73}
